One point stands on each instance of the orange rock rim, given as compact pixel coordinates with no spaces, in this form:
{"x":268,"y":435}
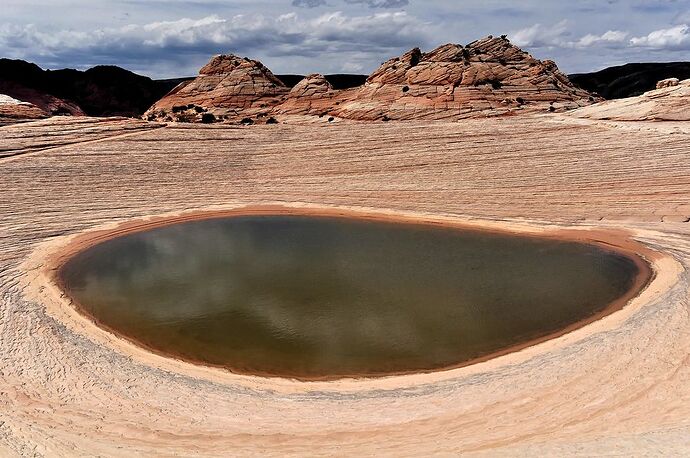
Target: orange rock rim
{"x":616,"y":242}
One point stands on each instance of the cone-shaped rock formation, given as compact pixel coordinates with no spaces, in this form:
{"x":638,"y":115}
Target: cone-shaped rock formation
{"x":228,"y":86}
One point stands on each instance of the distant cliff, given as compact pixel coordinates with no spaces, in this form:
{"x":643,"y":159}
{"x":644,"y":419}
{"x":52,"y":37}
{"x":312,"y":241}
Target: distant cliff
{"x":99,"y":91}
{"x":630,"y":80}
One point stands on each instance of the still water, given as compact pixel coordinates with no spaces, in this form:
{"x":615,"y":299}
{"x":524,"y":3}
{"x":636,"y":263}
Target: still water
{"x":326,"y":297}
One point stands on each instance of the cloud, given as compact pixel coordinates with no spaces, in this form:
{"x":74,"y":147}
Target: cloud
{"x":333,"y":38}
{"x":308,"y":3}
{"x":612,"y":37}
{"x":380,"y":3}
{"x":673,"y":38}
{"x":369,"y":3}
{"x":538,"y":35}
{"x":559,"y":36}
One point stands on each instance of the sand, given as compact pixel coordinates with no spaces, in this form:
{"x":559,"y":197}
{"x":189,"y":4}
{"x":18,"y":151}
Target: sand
{"x":619,"y":385}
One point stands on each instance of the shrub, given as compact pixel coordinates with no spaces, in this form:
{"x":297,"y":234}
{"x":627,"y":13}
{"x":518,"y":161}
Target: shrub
{"x":208,"y":118}
{"x":496,"y":84}
{"x":186,"y":117}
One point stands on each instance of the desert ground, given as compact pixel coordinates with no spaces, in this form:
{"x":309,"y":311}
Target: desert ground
{"x":619,"y":386}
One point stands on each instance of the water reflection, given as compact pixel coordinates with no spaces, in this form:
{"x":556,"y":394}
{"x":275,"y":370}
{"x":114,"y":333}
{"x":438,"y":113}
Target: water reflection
{"x":310,"y":297}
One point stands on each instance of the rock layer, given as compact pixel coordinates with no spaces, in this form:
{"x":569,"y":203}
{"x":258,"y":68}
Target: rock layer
{"x":12,"y":110}
{"x":53,"y":106}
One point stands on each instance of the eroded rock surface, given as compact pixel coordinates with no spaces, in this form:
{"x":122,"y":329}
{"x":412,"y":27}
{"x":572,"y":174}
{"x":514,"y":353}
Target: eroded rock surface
{"x":53,"y":106}
{"x":12,"y":110}
{"x":616,"y":387}
{"x":487,"y":77}
{"x":228,"y":87}
{"x":313,"y":95}
{"x":671,"y":102}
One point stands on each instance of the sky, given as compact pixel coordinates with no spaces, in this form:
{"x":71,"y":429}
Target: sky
{"x":173,"y":38}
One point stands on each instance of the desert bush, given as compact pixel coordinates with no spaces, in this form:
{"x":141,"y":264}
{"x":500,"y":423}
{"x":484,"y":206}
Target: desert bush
{"x":186,"y":117}
{"x":208,"y":118}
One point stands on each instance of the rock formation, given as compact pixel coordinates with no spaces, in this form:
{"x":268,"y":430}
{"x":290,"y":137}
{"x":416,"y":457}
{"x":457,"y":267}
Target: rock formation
{"x":668,"y":82}
{"x":12,"y":110}
{"x":227,"y":87}
{"x":671,"y":102}
{"x":486,"y":77}
{"x":311,"y":96}
{"x":51,"y":105}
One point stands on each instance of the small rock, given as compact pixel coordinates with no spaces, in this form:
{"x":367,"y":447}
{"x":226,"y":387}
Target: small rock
{"x":668,"y":82}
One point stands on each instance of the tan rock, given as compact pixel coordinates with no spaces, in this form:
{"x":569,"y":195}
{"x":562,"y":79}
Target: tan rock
{"x":671,"y":102}
{"x":12,"y":110}
{"x":616,"y":387}
{"x":668,"y":82}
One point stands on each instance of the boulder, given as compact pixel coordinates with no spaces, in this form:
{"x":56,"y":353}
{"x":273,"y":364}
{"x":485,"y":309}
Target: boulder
{"x":668,"y":82}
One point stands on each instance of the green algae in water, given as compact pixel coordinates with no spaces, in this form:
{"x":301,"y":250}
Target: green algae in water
{"x":326,"y":297}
